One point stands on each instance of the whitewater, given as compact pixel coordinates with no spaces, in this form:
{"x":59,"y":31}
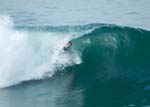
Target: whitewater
{"x":31,"y":55}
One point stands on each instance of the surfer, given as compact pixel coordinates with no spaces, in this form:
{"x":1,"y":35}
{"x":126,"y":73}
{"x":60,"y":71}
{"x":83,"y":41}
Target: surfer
{"x":68,"y":45}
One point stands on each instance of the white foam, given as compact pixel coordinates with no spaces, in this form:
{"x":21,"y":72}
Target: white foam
{"x":30,"y":55}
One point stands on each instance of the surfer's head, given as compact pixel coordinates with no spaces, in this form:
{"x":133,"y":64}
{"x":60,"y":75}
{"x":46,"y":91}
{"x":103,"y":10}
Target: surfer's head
{"x":68,"y":45}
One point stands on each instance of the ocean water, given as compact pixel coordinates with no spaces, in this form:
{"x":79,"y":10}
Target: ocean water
{"x":106,"y":66}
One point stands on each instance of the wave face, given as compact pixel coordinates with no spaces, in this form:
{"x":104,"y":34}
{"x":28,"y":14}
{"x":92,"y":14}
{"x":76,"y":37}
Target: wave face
{"x":120,"y":50}
{"x":115,"y":66}
{"x":109,"y":63}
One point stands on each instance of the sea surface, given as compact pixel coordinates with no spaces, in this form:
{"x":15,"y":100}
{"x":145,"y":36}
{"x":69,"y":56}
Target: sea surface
{"x":108,"y":64}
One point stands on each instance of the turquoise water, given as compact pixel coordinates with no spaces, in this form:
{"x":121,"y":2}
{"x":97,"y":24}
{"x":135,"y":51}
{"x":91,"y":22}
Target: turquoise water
{"x":107,"y":65}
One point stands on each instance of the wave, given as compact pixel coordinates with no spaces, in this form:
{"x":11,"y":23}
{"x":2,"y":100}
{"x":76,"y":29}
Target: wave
{"x":99,"y":51}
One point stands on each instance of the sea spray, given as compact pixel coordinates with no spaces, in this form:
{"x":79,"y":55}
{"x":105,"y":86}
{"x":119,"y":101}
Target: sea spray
{"x":28,"y":55}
